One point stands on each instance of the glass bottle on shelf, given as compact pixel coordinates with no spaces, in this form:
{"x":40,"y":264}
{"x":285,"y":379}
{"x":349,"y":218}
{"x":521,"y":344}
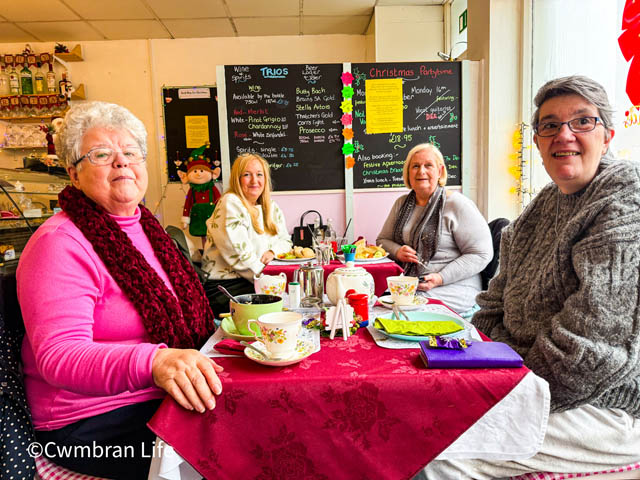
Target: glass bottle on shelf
{"x":65,"y":86}
{"x":51,"y":80}
{"x":5,"y":88}
{"x":26,"y":81}
{"x":14,"y":81}
{"x":39,"y":85}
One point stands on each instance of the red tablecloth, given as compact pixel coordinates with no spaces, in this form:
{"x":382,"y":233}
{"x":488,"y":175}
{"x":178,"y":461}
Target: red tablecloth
{"x":379,"y":271}
{"x":351,"y":411}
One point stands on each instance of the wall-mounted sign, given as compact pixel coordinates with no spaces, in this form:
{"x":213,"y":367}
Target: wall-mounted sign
{"x":462,"y":22}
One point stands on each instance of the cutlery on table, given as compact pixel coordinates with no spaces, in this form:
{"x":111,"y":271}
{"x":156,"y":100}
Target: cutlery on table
{"x":265,"y":354}
{"x":398,"y":313}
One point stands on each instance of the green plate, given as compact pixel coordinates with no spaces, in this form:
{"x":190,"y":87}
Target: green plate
{"x":229,"y":329}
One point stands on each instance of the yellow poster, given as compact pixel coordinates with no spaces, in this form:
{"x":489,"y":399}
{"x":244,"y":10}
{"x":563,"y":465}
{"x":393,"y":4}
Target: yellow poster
{"x":196,"y":130}
{"x":384,"y":105}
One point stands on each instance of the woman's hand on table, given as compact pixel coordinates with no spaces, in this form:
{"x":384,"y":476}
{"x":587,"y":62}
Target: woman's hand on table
{"x":267,"y":257}
{"x":430,"y":281}
{"x":188,"y":376}
{"x":407,"y":254}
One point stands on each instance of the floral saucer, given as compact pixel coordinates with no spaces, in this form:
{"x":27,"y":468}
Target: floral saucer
{"x":418,"y":302}
{"x":230,"y":331}
{"x":304,"y":348}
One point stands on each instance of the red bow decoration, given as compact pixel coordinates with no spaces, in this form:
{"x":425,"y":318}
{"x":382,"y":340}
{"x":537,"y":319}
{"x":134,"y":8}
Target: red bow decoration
{"x":629,"y":42}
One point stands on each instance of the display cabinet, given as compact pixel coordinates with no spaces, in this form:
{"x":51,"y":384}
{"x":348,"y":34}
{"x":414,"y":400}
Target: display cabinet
{"x":27,"y":199}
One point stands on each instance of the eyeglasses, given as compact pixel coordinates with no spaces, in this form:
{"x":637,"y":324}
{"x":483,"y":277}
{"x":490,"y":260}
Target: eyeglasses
{"x":576,"y":125}
{"x":106,"y":156}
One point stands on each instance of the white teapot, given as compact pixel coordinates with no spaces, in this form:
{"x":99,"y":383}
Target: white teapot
{"x":270,"y":284}
{"x":346,"y":278}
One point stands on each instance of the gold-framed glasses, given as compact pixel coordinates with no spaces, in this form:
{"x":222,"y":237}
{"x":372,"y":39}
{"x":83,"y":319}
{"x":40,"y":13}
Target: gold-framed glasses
{"x":106,"y":156}
{"x":576,"y":125}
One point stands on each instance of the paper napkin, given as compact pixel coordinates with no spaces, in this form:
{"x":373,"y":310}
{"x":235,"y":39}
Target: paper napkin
{"x":422,"y":328}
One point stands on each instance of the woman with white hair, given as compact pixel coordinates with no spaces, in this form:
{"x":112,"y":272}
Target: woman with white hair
{"x":437,"y":235}
{"x":114,"y":313}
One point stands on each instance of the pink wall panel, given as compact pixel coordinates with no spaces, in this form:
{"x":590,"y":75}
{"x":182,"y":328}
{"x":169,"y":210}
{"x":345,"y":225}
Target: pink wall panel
{"x":330,"y":205}
{"x":370,"y":209}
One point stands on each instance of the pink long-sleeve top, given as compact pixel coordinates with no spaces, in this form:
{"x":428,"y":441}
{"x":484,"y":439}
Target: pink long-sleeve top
{"x":86,"y":350}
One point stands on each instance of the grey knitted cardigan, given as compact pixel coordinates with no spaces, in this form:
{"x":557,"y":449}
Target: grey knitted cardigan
{"x":567,"y":296}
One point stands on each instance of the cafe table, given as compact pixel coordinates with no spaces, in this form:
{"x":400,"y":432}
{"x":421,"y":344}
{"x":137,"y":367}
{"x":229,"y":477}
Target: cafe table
{"x":379,"y":270}
{"x":353,"y":410}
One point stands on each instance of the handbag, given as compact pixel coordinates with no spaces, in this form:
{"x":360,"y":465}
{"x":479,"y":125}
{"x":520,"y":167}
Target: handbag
{"x":302,"y":235}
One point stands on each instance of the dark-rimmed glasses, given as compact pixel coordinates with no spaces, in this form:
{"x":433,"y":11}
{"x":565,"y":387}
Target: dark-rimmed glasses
{"x":106,"y":156}
{"x":576,"y":125}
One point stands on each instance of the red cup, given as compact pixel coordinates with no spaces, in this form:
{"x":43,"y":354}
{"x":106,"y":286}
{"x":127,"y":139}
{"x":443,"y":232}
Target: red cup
{"x":360,"y":304}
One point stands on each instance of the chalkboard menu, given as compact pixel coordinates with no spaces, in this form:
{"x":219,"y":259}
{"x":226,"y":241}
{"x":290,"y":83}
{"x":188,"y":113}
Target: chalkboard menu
{"x":290,"y":115}
{"x":190,"y":121}
{"x":431,"y":112}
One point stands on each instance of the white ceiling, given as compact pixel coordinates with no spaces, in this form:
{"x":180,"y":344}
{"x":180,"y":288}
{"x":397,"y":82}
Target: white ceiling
{"x":57,"y":20}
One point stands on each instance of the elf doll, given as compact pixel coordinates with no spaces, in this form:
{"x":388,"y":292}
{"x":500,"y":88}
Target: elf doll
{"x":202,"y":196}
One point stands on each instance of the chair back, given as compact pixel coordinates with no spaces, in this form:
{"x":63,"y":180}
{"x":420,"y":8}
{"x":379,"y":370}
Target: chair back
{"x":179,"y":238}
{"x":495,"y":226}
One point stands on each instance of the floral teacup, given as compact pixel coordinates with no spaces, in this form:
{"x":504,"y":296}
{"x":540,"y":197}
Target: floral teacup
{"x":270,"y":284}
{"x":279,"y":332}
{"x":403,"y":289}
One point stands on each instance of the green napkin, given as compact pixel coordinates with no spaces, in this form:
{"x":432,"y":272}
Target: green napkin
{"x":403,"y":327}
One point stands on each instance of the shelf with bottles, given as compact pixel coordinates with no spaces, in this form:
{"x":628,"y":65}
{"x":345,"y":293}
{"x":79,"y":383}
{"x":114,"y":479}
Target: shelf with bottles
{"x":25,"y":75}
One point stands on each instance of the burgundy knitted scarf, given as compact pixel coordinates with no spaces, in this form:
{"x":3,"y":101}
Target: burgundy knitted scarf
{"x":182,"y":322}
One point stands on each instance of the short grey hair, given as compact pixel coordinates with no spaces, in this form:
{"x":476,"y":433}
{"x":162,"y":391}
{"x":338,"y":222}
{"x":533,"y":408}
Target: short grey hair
{"x":589,"y":89}
{"x":442,"y":181}
{"x":83,"y":117}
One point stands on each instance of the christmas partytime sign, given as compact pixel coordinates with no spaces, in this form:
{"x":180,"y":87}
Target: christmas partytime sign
{"x":429,"y":111}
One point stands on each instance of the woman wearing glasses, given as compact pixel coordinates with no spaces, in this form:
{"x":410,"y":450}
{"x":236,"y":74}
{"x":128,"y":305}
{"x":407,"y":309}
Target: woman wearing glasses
{"x":567,"y":296}
{"x":113,"y":311}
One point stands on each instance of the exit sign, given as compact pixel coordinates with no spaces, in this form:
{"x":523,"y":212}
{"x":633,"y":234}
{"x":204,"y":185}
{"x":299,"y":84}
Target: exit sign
{"x":462,"y":22}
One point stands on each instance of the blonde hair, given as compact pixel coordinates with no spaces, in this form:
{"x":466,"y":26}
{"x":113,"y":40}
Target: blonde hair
{"x":442,"y":181}
{"x":238,"y":168}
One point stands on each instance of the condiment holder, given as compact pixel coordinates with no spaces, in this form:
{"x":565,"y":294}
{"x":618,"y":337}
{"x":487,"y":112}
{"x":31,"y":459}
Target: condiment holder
{"x":340,"y":317}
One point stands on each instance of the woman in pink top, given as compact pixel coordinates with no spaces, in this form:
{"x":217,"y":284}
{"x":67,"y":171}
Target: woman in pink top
{"x":114,"y":313}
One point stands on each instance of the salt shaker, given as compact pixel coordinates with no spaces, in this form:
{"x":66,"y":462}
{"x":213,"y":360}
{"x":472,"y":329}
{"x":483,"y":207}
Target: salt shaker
{"x":294,"y":295}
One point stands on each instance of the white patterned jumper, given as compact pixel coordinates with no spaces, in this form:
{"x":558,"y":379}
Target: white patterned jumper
{"x":465,"y":248}
{"x":233,"y":247}
{"x":567,"y":296}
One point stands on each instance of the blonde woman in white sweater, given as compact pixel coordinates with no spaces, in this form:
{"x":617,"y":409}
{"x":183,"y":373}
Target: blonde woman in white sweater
{"x":246,"y":231}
